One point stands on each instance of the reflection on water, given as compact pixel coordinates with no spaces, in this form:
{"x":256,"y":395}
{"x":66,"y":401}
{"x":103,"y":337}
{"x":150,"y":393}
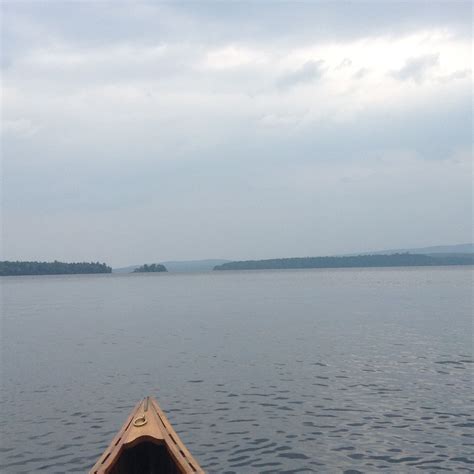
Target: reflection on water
{"x":290,"y":371}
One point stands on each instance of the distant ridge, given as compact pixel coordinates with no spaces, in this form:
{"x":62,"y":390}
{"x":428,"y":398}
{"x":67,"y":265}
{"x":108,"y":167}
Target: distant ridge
{"x":193,"y":265}
{"x":444,"y":249}
{"x":129,"y":269}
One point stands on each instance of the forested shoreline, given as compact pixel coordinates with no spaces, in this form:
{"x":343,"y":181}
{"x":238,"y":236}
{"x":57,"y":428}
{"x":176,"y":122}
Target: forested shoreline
{"x":17,"y":268}
{"x":10,"y":268}
{"x":394,"y":260}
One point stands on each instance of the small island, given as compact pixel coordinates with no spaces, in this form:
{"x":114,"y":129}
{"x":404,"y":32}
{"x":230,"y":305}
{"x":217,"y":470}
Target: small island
{"x":18,"y":268}
{"x":153,"y":268}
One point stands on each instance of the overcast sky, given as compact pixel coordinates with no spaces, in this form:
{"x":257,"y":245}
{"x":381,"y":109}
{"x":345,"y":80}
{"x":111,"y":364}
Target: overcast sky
{"x":143,"y":132}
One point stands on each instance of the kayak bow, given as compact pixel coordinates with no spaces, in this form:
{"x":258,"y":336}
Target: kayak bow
{"x":146,"y":443}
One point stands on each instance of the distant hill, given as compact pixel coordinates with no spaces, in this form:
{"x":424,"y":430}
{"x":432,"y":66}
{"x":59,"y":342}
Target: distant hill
{"x":442,"y":249}
{"x":193,"y":265}
{"x":180,"y":266}
{"x":394,"y":260}
{"x":129,"y":269}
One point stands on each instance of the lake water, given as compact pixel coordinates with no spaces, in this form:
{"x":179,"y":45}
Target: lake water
{"x":273,"y":371}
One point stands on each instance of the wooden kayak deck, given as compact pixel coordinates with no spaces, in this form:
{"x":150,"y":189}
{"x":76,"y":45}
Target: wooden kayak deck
{"x":146,"y":443}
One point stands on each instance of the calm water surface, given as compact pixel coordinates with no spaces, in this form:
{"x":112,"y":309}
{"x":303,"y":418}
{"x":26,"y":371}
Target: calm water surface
{"x":287,"y":371}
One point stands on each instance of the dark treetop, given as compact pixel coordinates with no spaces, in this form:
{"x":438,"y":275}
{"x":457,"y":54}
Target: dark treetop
{"x":51,"y":268}
{"x":154,"y":267}
{"x":395,"y":260}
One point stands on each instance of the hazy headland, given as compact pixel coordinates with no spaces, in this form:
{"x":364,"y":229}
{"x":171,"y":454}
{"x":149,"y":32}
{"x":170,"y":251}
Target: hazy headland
{"x":395,"y":260}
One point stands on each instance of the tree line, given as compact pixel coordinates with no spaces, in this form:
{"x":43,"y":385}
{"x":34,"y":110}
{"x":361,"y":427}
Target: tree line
{"x":394,"y":260}
{"x":8,"y":268}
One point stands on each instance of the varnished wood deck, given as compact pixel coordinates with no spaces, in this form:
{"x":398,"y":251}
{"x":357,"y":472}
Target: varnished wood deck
{"x":146,"y":443}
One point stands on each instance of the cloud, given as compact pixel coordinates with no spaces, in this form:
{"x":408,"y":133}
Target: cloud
{"x":361,"y":73}
{"x":18,"y":128}
{"x":456,"y":75}
{"x":417,"y":69}
{"x":232,"y":57}
{"x":346,"y":62}
{"x":308,"y":72}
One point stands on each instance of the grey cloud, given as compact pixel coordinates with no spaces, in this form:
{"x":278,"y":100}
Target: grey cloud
{"x":463,"y":74}
{"x":446,"y":127}
{"x":361,"y":73}
{"x":102,"y":23}
{"x":290,"y":21}
{"x":308,"y":72}
{"x":415,"y":69}
{"x":346,"y":62}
